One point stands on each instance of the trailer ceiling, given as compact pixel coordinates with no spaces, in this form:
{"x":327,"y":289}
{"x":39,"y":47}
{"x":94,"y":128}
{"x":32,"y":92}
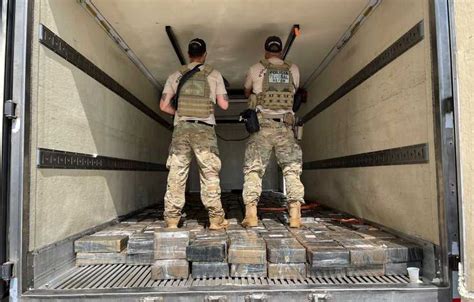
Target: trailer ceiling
{"x":234,"y":30}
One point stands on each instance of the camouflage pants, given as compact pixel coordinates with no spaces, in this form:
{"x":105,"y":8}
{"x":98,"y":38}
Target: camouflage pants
{"x":200,"y":139}
{"x":272,"y":136}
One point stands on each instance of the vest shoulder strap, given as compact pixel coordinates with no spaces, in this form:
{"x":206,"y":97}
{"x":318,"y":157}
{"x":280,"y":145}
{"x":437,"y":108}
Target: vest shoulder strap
{"x":184,"y":69}
{"x":207,"y":70}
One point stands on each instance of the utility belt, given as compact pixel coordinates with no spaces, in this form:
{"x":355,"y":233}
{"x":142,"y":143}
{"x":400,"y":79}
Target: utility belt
{"x":288,"y":119}
{"x":199,"y":122}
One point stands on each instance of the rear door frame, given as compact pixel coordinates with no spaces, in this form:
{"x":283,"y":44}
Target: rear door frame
{"x":19,"y":141}
{"x":18,"y":180}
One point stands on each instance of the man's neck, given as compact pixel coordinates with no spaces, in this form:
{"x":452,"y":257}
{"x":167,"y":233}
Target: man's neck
{"x":269,"y":56}
{"x":199,"y":61}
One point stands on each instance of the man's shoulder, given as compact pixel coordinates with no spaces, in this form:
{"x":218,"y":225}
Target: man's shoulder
{"x":257,"y":66}
{"x":214,"y":74}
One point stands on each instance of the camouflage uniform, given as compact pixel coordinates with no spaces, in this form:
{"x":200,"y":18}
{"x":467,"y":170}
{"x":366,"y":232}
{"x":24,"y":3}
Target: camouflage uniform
{"x":272,"y":135}
{"x":189,"y":137}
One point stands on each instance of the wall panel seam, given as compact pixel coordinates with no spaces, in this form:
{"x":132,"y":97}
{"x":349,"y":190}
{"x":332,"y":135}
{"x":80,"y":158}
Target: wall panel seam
{"x":396,"y":49}
{"x":67,"y":52}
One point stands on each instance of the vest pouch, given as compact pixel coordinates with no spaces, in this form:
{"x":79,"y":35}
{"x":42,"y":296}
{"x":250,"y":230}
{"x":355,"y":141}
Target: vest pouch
{"x":250,"y":118}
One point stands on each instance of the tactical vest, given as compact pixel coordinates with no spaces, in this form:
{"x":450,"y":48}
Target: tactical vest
{"x":195,"y":95}
{"x":278,"y":87}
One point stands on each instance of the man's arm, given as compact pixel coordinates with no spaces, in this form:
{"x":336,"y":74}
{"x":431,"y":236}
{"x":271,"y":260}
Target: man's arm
{"x":222,"y":101}
{"x":165,"y":103}
{"x":247,"y":92}
{"x":248,"y":84}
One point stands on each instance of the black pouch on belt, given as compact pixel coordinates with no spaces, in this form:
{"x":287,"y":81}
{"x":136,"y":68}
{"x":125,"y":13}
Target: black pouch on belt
{"x":250,"y":118}
{"x":300,"y":97}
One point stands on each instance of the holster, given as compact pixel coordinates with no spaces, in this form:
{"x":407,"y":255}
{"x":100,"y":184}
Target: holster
{"x":250,"y":118}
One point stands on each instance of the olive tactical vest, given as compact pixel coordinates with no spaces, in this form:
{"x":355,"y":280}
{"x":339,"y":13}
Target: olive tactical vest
{"x":195,"y":95}
{"x":277,"y":88}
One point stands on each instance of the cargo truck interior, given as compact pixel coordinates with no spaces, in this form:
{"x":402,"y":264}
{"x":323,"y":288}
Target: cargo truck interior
{"x":98,"y":142}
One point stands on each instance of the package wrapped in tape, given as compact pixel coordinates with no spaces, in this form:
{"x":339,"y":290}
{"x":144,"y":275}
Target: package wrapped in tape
{"x":325,"y":272}
{"x":395,"y":268}
{"x":141,"y":243}
{"x":210,"y":269}
{"x":247,"y":249}
{"x":248,"y":270}
{"x":171,"y":243}
{"x":100,"y":258}
{"x":287,"y":270}
{"x":327,"y":255}
{"x":170,"y":269}
{"x":285,"y":250}
{"x":207,"y":250}
{"x":365,"y":252}
{"x":366,"y":270}
{"x":101,"y":244}
{"x":141,"y":259}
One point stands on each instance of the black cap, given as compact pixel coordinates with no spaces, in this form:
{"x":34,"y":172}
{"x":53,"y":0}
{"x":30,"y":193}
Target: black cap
{"x":196,"y":47}
{"x":273,"y":44}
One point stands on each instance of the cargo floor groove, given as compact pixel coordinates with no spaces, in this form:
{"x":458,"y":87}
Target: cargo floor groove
{"x":114,"y":276}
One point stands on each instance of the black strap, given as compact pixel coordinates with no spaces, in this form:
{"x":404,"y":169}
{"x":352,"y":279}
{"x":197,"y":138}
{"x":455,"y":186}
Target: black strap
{"x":182,"y":81}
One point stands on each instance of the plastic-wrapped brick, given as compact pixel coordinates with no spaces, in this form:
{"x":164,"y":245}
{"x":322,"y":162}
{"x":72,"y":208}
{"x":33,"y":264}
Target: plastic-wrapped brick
{"x":141,"y":259}
{"x":287,"y":270}
{"x":209,"y":269}
{"x":100,"y":258}
{"x":141,"y":243}
{"x":327,"y":255}
{"x":248,"y":270}
{"x":101,"y":244}
{"x":171,"y":244}
{"x":209,"y":250}
{"x":170,"y":269}
{"x":286,"y":250}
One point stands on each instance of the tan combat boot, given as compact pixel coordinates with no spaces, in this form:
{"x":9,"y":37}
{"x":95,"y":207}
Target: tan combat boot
{"x":218,"y":223}
{"x":294,"y":209}
{"x":251,"y":219}
{"x":172,"y":223}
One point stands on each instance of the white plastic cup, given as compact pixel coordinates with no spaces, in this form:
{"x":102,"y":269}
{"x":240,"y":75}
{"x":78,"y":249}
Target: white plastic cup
{"x":414,"y":274}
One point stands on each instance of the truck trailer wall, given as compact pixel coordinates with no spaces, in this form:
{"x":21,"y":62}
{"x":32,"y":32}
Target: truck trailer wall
{"x":393,"y":108}
{"x":463,"y":11}
{"x":73,"y":112}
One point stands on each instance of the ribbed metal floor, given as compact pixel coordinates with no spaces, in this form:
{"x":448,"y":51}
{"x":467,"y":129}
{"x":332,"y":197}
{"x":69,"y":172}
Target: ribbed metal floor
{"x":127,"y":276}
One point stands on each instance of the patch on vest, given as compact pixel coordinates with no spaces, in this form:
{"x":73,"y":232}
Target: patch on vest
{"x":194,"y":88}
{"x":278,"y":76}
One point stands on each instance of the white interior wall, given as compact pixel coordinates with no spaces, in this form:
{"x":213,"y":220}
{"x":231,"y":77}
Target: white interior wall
{"x":393,"y":108}
{"x":73,"y":112}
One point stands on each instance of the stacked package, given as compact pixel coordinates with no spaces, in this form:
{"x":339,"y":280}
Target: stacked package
{"x":140,"y":249}
{"x":207,"y":253}
{"x":170,"y":254}
{"x":286,"y":256}
{"x":105,"y":247}
{"x":247,"y":254}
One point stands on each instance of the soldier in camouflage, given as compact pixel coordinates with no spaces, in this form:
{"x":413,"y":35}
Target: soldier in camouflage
{"x":270,"y":87}
{"x":194,"y":133}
